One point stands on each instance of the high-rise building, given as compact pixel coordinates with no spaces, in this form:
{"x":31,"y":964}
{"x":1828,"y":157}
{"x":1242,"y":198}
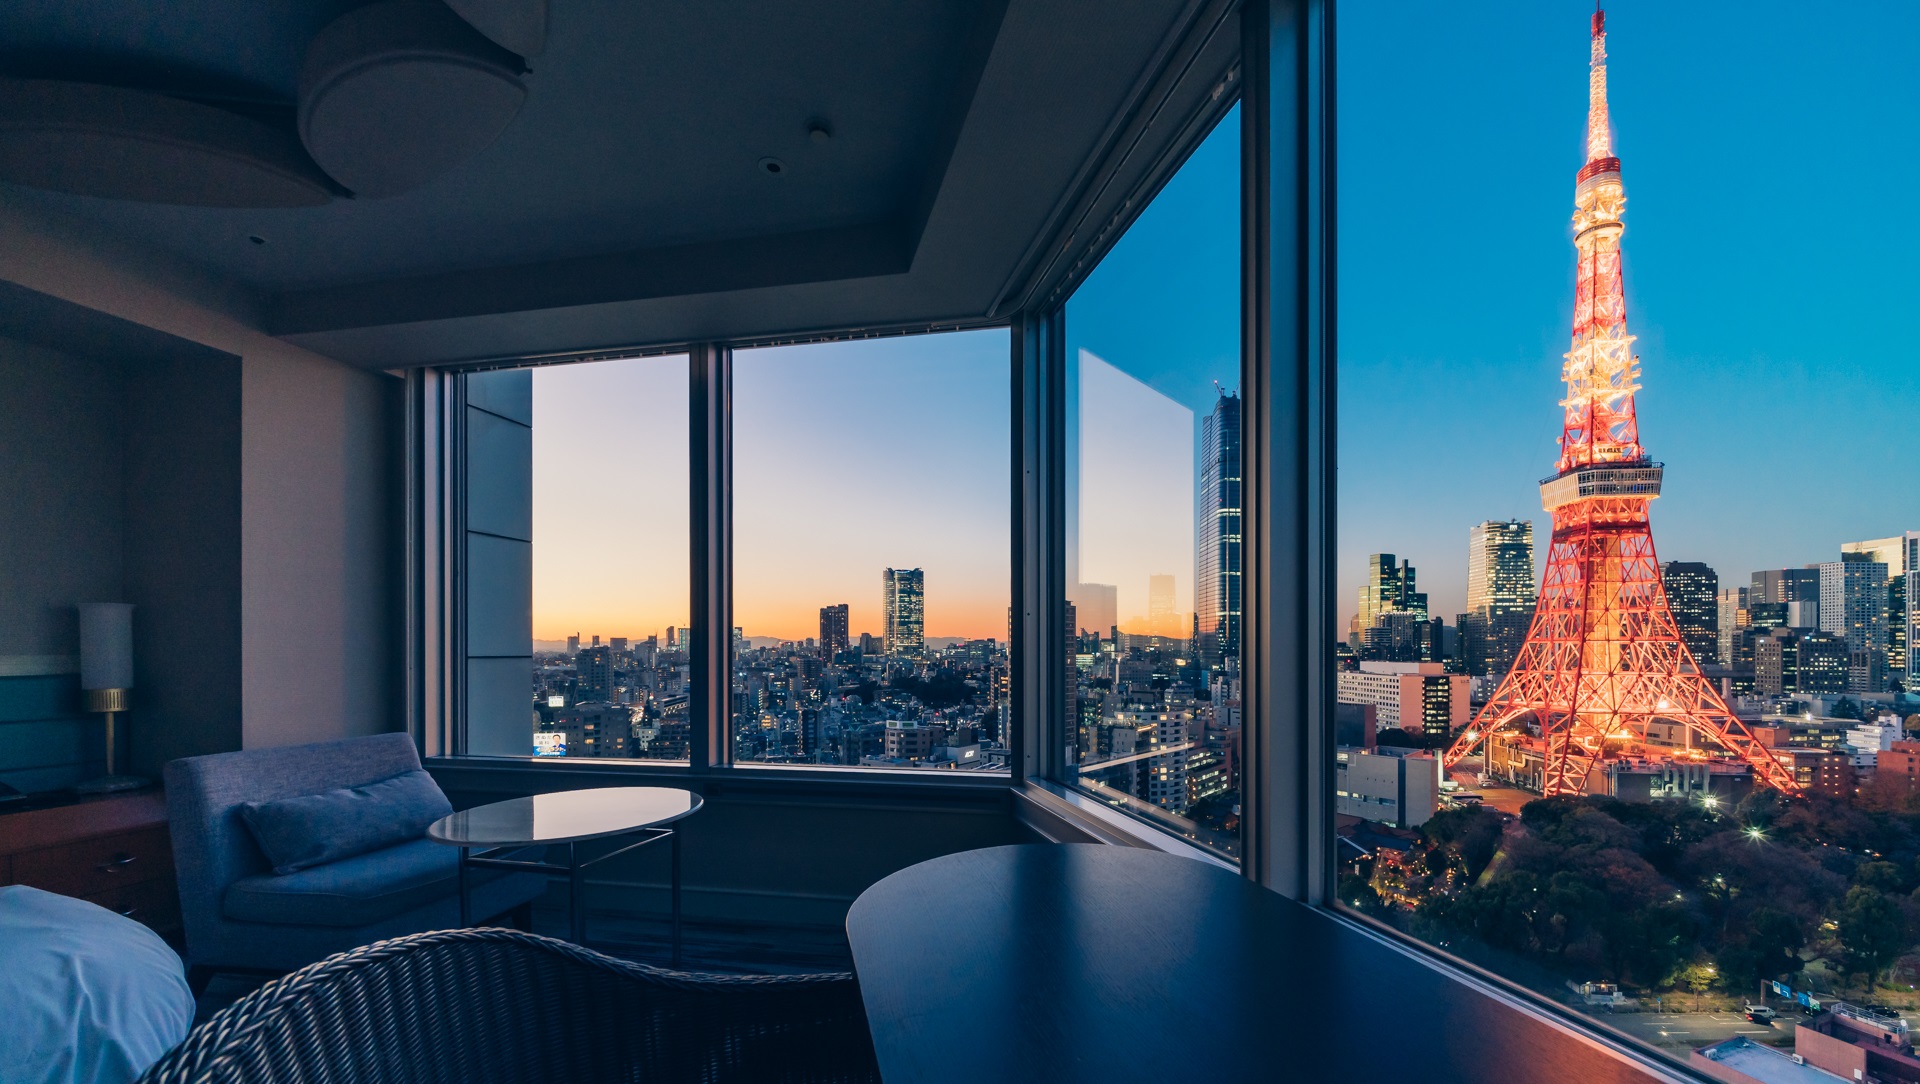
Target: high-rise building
{"x":594,"y":667}
{"x":1693,"y":591}
{"x":573,"y":644}
{"x":1217,"y":580}
{"x":1788,"y":662}
{"x":1853,"y":607}
{"x":1390,"y":588}
{"x":1417,"y":697}
{"x":1501,"y":594}
{"x":833,"y":628}
{"x":1732,"y":604}
{"x":903,"y":608}
{"x":1784,"y":585}
{"x":1901,"y":555}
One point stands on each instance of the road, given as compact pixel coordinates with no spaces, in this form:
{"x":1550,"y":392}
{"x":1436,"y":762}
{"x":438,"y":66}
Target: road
{"x":1492,"y":795}
{"x":1688,"y":1031}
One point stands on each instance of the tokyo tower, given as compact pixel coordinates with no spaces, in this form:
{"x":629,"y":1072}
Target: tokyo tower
{"x":1603,"y":656}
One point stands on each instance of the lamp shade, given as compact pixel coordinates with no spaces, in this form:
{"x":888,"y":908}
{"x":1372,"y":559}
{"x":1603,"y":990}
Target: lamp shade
{"x":106,"y":645}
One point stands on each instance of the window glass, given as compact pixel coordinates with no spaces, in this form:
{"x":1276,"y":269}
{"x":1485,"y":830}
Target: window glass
{"x":1153,"y":555}
{"x":1634,"y":754}
{"x":610,"y":564}
{"x":872,"y":588}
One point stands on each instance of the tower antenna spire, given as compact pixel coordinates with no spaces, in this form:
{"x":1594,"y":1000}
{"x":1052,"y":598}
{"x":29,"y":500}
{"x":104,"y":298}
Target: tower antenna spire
{"x":1599,"y":141}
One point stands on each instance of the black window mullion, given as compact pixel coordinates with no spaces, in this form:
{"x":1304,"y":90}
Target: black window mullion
{"x":710,"y":686}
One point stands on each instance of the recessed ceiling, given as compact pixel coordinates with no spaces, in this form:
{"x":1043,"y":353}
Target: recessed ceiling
{"x":629,"y":200}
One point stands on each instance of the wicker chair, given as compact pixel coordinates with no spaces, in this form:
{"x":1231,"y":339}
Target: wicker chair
{"x":496,"y":1005}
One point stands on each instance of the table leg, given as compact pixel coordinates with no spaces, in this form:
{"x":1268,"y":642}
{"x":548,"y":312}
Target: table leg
{"x":465,"y":905}
{"x":674,"y":843}
{"x":576,"y":904}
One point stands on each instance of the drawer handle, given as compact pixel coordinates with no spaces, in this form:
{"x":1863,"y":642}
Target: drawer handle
{"x":117,"y":864}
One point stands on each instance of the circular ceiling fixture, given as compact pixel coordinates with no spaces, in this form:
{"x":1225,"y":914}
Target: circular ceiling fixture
{"x":773,"y":166}
{"x":399,"y":92}
{"x":121,"y":143}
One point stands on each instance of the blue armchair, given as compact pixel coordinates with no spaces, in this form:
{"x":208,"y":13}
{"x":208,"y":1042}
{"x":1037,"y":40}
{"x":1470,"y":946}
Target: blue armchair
{"x":241,"y":916}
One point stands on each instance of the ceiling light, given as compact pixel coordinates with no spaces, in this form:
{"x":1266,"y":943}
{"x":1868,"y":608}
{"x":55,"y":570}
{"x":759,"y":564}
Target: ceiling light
{"x":773,"y":166}
{"x":399,"y":92}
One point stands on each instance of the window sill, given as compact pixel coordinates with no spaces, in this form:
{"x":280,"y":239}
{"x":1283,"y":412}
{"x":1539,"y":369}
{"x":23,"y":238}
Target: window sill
{"x":1653,"y":1063}
{"x":1063,"y":815}
{"x":525,"y":775}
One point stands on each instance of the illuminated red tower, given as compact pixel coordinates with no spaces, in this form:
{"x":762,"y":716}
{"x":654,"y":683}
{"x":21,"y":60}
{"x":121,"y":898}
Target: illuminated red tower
{"x":1603,"y":657}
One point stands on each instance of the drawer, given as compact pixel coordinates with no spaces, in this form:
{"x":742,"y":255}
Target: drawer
{"x":92,"y":866}
{"x":152,"y":902}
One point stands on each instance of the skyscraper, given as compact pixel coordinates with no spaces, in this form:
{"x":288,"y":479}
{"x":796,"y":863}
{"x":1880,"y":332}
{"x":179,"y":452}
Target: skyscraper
{"x":1901,"y":555}
{"x":903,"y":606}
{"x":1732,"y":603}
{"x":594,"y":667}
{"x":833,"y":628}
{"x":1853,"y":607}
{"x":1217,"y":580}
{"x":1693,"y":591}
{"x":1389,"y":589}
{"x":1500,"y":594}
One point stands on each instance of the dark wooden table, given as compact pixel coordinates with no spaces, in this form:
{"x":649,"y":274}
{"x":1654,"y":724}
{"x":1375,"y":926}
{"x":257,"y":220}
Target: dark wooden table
{"x":1071,"y":963}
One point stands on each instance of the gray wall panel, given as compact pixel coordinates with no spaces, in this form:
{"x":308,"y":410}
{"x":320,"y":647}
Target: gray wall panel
{"x":499,"y":597}
{"x":499,"y":476}
{"x":506,"y":392}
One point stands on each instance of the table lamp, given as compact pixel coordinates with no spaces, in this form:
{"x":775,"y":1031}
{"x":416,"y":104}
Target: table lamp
{"x":106,"y":674}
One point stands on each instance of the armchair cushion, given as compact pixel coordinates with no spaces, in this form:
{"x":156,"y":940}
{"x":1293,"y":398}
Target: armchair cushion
{"x":357,"y":891}
{"x":313,"y":829}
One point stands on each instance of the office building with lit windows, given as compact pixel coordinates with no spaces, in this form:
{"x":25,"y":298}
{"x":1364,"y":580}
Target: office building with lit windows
{"x":1693,"y":591}
{"x":1501,"y":594}
{"x":1217,"y":580}
{"x":903,"y":609}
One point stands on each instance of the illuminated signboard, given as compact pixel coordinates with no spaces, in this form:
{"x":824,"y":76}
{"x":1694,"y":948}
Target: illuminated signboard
{"x":549,"y":745}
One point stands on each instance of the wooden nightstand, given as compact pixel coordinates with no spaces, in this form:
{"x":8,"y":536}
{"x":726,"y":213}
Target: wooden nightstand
{"x":112,"y":850}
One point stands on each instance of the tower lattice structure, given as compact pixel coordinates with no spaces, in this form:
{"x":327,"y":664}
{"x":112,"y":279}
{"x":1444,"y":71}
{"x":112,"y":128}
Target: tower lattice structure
{"x":1603,"y":656}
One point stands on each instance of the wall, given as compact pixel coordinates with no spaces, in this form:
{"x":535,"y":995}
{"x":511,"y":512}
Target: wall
{"x":319,"y":542}
{"x":60,"y":543}
{"x":182,"y":524}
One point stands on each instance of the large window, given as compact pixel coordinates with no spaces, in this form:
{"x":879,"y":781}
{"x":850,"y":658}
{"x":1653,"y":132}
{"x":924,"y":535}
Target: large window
{"x":871,"y":586}
{"x":1650,"y":758}
{"x":1153,"y":555}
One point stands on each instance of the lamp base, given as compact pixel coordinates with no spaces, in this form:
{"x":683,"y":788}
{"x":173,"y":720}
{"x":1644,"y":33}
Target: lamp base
{"x":109,"y":784}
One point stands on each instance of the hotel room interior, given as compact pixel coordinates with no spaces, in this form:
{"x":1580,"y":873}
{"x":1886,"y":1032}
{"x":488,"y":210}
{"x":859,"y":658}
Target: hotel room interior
{"x":357,"y":357}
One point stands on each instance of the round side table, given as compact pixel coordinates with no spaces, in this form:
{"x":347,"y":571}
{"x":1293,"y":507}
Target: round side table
{"x":487,"y":834}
